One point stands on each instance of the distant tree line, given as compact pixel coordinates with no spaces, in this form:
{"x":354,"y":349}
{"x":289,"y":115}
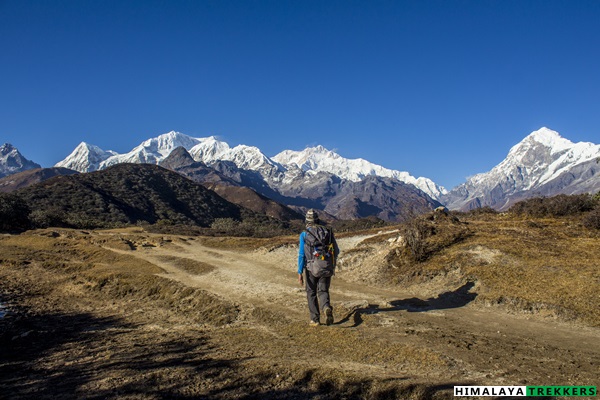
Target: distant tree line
{"x":14,"y":214}
{"x":17,"y":215}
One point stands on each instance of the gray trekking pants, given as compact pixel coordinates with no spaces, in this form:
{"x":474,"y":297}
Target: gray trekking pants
{"x":317,"y":292}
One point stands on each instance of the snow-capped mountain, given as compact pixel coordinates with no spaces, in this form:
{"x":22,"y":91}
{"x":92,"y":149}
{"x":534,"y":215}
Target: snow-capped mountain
{"x":284,"y":167}
{"x":314,"y":177}
{"x":12,"y":161}
{"x":85,"y":158}
{"x":386,"y":198}
{"x":319,"y":159}
{"x":152,"y":151}
{"x":544,"y":163}
{"x":211,"y":150}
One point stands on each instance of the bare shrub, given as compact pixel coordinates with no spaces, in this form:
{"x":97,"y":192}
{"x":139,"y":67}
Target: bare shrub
{"x":592,"y":219}
{"x":557,"y":206}
{"x":482,"y":211}
{"x":415,"y":234}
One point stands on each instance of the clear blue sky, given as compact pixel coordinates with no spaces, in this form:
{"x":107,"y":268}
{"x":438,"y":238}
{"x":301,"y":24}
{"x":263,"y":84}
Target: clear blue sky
{"x":440,"y":89}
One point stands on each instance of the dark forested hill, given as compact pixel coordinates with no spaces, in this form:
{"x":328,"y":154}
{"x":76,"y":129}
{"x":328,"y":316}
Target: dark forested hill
{"x":126,"y":194}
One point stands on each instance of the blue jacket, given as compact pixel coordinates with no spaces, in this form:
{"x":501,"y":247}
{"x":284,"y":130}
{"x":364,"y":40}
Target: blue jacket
{"x":301,"y":258}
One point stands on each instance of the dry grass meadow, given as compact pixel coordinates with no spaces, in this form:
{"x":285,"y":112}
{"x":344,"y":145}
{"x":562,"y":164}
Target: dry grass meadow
{"x":492,"y":300}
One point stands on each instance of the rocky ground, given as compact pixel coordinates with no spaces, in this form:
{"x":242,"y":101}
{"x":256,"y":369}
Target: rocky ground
{"x":132,"y":315}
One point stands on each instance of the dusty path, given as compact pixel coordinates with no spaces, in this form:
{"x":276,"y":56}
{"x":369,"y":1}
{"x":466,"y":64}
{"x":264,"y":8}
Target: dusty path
{"x":255,"y":278}
{"x":472,"y":343}
{"x":132,"y":315}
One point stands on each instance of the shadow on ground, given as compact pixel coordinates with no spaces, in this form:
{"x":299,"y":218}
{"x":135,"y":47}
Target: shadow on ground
{"x":72,"y":356}
{"x":83,"y":356}
{"x":76,"y":356}
{"x":453,"y":299}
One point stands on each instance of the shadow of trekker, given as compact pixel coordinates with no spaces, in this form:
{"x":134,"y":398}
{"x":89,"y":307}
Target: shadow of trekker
{"x":453,"y":299}
{"x":457,"y":298}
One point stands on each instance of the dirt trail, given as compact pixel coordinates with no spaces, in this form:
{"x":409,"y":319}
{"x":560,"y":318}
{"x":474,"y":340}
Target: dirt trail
{"x":231,"y":324}
{"x":475,"y":342}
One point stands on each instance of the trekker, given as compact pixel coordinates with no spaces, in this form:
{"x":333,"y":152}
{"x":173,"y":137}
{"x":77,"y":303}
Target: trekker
{"x":317,"y":255}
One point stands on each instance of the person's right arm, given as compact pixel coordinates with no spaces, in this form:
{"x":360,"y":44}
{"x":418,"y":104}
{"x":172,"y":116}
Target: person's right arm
{"x":301,"y":259}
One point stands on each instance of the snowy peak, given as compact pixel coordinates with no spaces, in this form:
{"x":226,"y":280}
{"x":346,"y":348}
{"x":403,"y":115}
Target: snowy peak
{"x":543,"y":163}
{"x":154,"y":150}
{"x":85,"y":158}
{"x":250,"y":157}
{"x":316,"y":159}
{"x":209,"y":149}
{"x":7,"y":149}
{"x":546,"y":138}
{"x":12,"y":161}
{"x":545,"y":150}
{"x":166,"y":143}
{"x":311,"y":158}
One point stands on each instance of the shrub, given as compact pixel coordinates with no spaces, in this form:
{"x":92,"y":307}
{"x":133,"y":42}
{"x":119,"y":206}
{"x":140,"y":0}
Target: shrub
{"x":557,"y":206}
{"x":14,"y":214}
{"x":225,"y":224}
{"x":252,"y":225}
{"x":357,"y":224}
{"x":482,"y":211}
{"x":592,"y":219}
{"x":52,"y":217}
{"x":415,"y":233}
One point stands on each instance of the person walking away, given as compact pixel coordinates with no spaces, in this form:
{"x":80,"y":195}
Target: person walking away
{"x":317,"y":256}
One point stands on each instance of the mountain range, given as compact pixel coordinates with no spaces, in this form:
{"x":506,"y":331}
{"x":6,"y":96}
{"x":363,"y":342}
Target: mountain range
{"x":312,"y":178}
{"x":285,"y":166}
{"x":543,"y":163}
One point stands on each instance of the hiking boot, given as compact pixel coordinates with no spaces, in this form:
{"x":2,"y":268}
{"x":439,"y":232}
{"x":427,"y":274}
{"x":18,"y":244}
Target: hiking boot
{"x":328,"y":315}
{"x":314,"y":323}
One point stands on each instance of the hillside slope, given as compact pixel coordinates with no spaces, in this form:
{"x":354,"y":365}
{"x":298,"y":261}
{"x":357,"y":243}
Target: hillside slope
{"x":126,"y":194}
{"x":30,"y":177}
{"x":230,"y":182}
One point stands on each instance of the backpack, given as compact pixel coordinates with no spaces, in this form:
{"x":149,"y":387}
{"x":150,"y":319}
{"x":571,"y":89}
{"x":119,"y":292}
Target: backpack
{"x":319,"y":251}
